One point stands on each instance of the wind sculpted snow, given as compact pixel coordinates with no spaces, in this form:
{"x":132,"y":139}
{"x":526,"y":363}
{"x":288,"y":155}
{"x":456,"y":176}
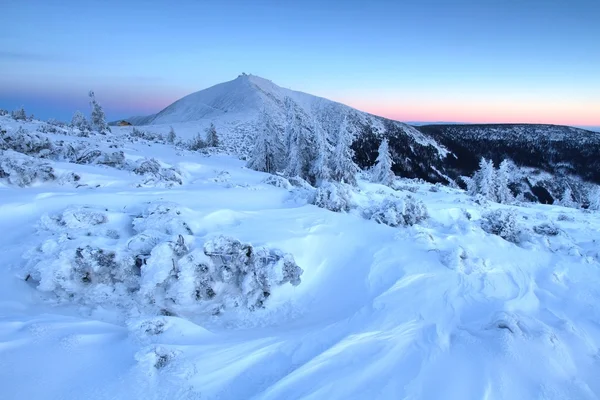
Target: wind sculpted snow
{"x":443,"y":308}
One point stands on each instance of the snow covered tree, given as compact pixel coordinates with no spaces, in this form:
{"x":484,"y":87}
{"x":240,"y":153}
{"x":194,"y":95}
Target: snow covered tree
{"x":343,"y":167}
{"x":594,"y":198}
{"x":171,"y":137}
{"x":19,"y":114}
{"x":212,"y":139}
{"x":265,"y":155}
{"x":97,"y":118}
{"x":79,"y":121}
{"x":382,"y":170}
{"x":196,"y":143}
{"x":503,"y":193}
{"x":320,"y":167}
{"x":567,"y":200}
{"x":486,"y":179}
{"x":298,"y":144}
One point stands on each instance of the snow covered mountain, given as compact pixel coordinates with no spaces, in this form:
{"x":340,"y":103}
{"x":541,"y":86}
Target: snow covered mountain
{"x":552,"y":157}
{"x":234,"y":107}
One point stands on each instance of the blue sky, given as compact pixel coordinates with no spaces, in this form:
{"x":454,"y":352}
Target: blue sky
{"x":480,"y":61}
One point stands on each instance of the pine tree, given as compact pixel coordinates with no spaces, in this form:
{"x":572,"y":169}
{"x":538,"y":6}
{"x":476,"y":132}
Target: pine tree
{"x":594,"y":198}
{"x":567,"y":200}
{"x":267,"y":149}
{"x":171,"y":137}
{"x":503,"y":192}
{"x":486,"y":179}
{"x":320,"y":170}
{"x":19,"y":114}
{"x":212,"y":139}
{"x":79,"y":121}
{"x":343,"y":167}
{"x":382,"y":170}
{"x":97,"y":118}
{"x":298,"y":145}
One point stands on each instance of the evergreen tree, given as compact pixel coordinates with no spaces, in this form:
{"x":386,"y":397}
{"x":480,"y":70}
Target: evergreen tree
{"x":485,"y":179}
{"x":594,"y":198}
{"x":267,"y":149}
{"x":212,"y":139}
{"x":298,"y":145}
{"x":320,"y":170}
{"x":503,"y":192}
{"x":567,"y":200}
{"x":79,"y":121}
{"x":382,"y":171}
{"x":19,"y":114}
{"x":343,"y":167}
{"x":97,"y":118}
{"x":171,"y":137}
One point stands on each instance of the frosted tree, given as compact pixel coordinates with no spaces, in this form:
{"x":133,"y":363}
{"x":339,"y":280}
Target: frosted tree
{"x":19,"y":114}
{"x":567,"y":200}
{"x":171,"y":137}
{"x":485,"y":179}
{"x":267,"y":148}
{"x":320,"y":167}
{"x":298,"y":144}
{"x":382,"y":170}
{"x":79,"y":121}
{"x":594,"y":198}
{"x":503,"y":178}
{"x":97,"y":118}
{"x":343,"y":167}
{"x":212,"y":139}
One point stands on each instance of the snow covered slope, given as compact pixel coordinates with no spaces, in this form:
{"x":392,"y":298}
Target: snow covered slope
{"x":475,"y":301}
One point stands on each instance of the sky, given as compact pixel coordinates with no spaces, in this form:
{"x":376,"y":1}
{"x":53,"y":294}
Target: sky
{"x":415,"y":60}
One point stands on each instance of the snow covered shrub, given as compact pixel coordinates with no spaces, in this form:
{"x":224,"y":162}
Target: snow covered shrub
{"x":147,"y":135}
{"x":394,"y":211}
{"x":3,"y":112}
{"x":78,"y":121}
{"x":248,"y":273}
{"x":502,"y":223}
{"x":153,"y":271}
{"x":25,"y":142}
{"x":278,"y":181}
{"x":83,"y":274}
{"x":164,"y":217}
{"x":565,"y":217}
{"x":74,"y":220}
{"x":333,"y":196}
{"x":546,"y":229}
{"x":19,"y":114}
{"x":21,"y":170}
{"x":115,"y":159}
{"x":155,"y":173}
{"x":196,"y":143}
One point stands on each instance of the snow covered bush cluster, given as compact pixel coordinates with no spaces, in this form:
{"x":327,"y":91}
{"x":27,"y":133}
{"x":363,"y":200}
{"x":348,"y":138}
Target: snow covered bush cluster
{"x":503,"y":223}
{"x":90,"y":257}
{"x":21,"y":170}
{"x":394,"y":211}
{"x":199,"y":142}
{"x":23,"y":152}
{"x":333,"y":196}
